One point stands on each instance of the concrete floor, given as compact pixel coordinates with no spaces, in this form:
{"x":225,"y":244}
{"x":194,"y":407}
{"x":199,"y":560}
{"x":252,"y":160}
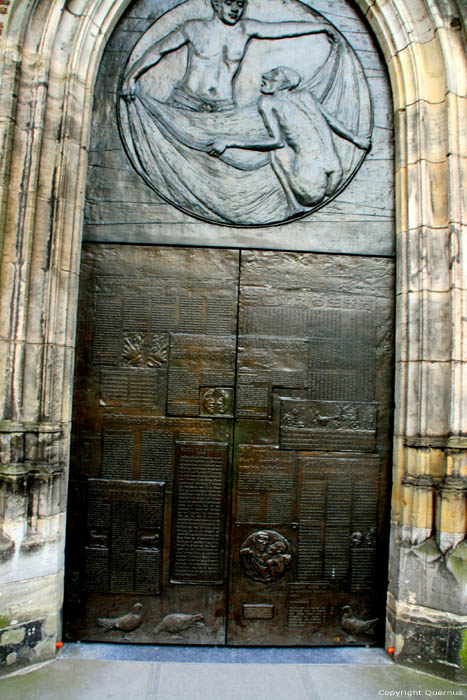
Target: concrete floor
{"x":114,"y":672}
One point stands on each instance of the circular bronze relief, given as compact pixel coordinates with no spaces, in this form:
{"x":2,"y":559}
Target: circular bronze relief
{"x":265,"y":555}
{"x":281,"y":130}
{"x":215,"y":402}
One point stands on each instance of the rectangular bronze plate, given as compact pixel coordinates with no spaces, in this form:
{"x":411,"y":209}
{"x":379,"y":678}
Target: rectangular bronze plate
{"x":199,"y":513}
{"x":257,"y":611}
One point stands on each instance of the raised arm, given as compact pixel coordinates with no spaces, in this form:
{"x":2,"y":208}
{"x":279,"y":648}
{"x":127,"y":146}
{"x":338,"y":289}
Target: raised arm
{"x":150,"y":58}
{"x":266,"y":143}
{"x":284,"y":30}
{"x":363,"y":142}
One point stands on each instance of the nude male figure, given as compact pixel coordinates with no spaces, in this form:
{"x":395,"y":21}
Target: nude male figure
{"x":216,"y":48}
{"x":299,"y":140}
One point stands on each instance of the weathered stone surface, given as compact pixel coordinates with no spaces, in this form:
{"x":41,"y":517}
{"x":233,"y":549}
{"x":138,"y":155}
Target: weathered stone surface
{"x":425,"y":638}
{"x":29,"y":621}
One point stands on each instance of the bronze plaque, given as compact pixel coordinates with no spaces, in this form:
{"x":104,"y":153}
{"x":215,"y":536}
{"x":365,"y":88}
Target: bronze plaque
{"x":124,"y":550}
{"x":294,"y":497}
{"x":328,"y":425}
{"x":199,"y":514}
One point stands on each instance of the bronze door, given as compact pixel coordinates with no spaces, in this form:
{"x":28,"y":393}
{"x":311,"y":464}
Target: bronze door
{"x":313,"y":407}
{"x":175,"y":342}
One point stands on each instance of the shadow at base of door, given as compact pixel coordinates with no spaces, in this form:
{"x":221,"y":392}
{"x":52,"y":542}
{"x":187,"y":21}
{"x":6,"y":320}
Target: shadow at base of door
{"x":226,"y":655}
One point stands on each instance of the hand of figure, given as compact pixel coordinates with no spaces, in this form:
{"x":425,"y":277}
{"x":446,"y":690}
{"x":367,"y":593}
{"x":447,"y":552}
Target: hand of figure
{"x":363,"y":142}
{"x":217,"y":147}
{"x":129,"y":89}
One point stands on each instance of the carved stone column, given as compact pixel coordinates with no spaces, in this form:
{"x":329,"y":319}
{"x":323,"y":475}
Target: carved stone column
{"x":427,"y":596}
{"x":32,"y":505}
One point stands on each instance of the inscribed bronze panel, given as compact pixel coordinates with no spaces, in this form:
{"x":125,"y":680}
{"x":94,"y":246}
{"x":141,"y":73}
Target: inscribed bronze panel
{"x":125,"y":521}
{"x":328,"y":425}
{"x":265,"y":487}
{"x":199,"y":513}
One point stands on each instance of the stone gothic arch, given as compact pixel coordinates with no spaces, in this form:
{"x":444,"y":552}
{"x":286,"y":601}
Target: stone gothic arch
{"x":50,"y":55}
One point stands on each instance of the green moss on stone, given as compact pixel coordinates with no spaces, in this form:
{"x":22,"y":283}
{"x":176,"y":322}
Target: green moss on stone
{"x":463,"y":650}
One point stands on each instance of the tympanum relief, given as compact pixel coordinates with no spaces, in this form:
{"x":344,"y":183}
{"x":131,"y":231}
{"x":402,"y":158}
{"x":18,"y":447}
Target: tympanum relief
{"x":240,"y":120}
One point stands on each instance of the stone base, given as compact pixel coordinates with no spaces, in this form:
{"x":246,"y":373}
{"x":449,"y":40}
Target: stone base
{"x":429,"y":640}
{"x":29,"y":640}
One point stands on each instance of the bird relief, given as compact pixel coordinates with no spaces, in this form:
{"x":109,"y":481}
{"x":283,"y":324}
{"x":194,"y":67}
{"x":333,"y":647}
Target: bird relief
{"x":354,"y":626}
{"x":176,"y":623}
{"x":127,"y":622}
{"x":245,"y":113}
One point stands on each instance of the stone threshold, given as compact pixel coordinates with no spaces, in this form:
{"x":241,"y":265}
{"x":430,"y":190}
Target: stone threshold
{"x":225,"y":655}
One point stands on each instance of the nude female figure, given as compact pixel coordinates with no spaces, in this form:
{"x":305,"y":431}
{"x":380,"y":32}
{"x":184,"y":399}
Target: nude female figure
{"x":302,"y":153}
{"x":216,"y":48}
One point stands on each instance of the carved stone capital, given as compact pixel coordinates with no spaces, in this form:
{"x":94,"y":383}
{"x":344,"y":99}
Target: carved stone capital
{"x":44,"y":470}
{"x":13,"y":471}
{"x":421,"y":481}
{"x":453,"y":484}
{"x":428,"y":441}
{"x":30,"y":448}
{"x":8,"y":426}
{"x":457,"y":442}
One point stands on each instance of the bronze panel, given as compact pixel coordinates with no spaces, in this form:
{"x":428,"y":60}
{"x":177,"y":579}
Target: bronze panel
{"x":124,"y":520}
{"x":265,"y":485}
{"x":199,"y":513}
{"x":257,"y":611}
{"x":195,"y":360}
{"x":328,"y":425}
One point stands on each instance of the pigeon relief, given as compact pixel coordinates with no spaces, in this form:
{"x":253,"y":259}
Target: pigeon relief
{"x":176,"y":623}
{"x":124,"y":623}
{"x":354,"y":626}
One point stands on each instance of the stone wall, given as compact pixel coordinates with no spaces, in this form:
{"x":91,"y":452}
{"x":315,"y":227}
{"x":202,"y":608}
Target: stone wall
{"x":50,"y":53}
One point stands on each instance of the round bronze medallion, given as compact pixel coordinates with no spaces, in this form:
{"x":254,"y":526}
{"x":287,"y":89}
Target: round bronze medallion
{"x":266,"y":555}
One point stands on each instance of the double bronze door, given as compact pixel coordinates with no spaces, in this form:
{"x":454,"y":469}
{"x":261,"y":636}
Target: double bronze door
{"x":230,"y":447}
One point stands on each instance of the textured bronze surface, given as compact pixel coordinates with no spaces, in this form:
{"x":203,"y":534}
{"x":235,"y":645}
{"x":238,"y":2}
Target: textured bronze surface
{"x":314,"y":392}
{"x":156,"y":352}
{"x":172,"y":409}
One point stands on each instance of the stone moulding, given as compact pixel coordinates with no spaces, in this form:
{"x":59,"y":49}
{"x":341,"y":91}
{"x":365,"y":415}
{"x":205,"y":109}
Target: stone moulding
{"x":49,"y":59}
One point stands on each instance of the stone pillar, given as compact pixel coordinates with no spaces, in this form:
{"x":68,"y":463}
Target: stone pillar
{"x":32,"y":500}
{"x":38,"y":282}
{"x":426,"y":621}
